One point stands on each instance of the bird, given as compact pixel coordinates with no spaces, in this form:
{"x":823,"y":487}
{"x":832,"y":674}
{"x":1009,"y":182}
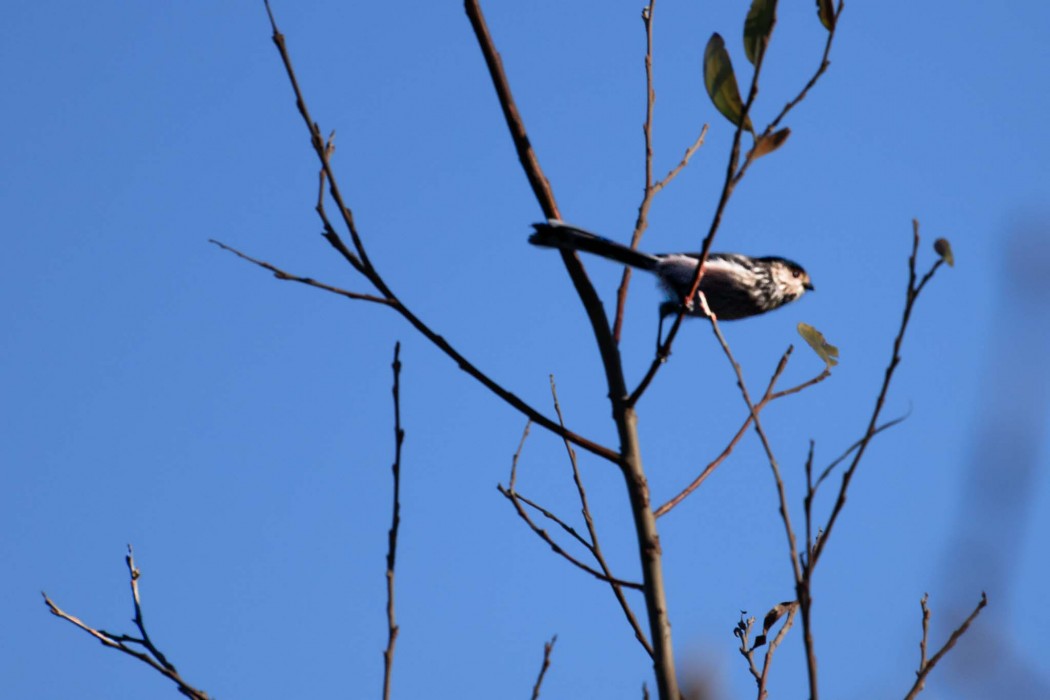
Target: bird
{"x":734,"y":286}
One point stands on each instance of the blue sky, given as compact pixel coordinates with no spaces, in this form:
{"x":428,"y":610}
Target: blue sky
{"x":237,"y":430}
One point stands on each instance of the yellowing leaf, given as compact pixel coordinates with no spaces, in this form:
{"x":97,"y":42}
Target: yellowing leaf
{"x":758,"y":26}
{"x":827,"y":352}
{"x":943,"y":248}
{"x":721,"y":82}
{"x":826,"y":12}
{"x":770,"y":143}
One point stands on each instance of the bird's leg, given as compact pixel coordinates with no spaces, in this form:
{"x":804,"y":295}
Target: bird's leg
{"x":668,"y":308}
{"x":703,"y":305}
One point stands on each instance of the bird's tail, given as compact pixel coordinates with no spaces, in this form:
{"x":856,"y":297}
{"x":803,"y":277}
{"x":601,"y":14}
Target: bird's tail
{"x":554,"y":234}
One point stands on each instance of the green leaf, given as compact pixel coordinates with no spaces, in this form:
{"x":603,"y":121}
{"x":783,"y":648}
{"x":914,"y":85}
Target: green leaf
{"x":826,"y":12}
{"x":721,"y":82}
{"x":758,"y":26}
{"x":827,"y":352}
{"x":943,"y":248}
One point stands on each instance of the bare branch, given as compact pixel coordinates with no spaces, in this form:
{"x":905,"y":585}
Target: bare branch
{"x":824,"y":64}
{"x":767,"y":662}
{"x":767,"y":398}
{"x":801,"y":575}
{"x":747,"y":649}
{"x":807,"y":506}
{"x":926,"y":666}
{"x":127,"y":644}
{"x":359,"y":260}
{"x":650,"y":189}
{"x":391,"y":554}
{"x":308,"y":281}
{"x":517,"y":500}
{"x":742,"y":631}
{"x":595,"y":546}
{"x":592,"y":304}
{"x":911,"y":297}
{"x":443,"y":345}
{"x":815,"y":544}
{"x":510,"y":493}
{"x":781,"y":491}
{"x":689,"y":152}
{"x":852,"y":448}
{"x":321,"y":147}
{"x":530,"y":163}
{"x":547,"y":649}
{"x":569,"y":529}
{"x":629,"y":457}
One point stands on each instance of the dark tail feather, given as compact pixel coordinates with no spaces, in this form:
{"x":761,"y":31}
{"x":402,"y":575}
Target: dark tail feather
{"x":555,"y":234}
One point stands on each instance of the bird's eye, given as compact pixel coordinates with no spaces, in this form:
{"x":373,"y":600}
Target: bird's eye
{"x":796,"y":273}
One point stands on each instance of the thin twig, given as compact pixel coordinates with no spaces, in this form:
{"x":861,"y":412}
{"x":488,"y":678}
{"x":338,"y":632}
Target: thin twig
{"x":824,"y":64}
{"x":464,"y":364}
{"x":650,"y":188}
{"x":842,"y":457}
{"x":595,"y":546}
{"x":516,"y":499}
{"x":360,"y":261}
{"x":743,"y":632}
{"x":517,"y":455}
{"x":767,"y":398}
{"x":510,"y":493}
{"x":709,"y":469}
{"x":309,"y":281}
{"x":801,"y":575}
{"x":926,"y":666}
{"x":569,"y":529}
{"x":815,"y":544}
{"x":768,"y":661}
{"x":548,"y":647}
{"x":807,"y":507}
{"x":781,"y":491}
{"x":911,"y":297}
{"x":747,"y":649}
{"x":926,"y":615}
{"x":647,"y":192}
{"x":152,"y":656}
{"x":642,"y":223}
{"x":391,"y":554}
{"x":321,"y":147}
{"x":689,"y":152}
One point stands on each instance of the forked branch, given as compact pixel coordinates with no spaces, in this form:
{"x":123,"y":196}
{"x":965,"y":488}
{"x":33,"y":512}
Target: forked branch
{"x":140,"y":647}
{"x":358,"y":259}
{"x":926,"y":664}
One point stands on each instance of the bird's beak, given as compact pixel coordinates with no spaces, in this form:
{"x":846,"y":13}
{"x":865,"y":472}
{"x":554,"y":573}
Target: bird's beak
{"x":807,"y":285}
